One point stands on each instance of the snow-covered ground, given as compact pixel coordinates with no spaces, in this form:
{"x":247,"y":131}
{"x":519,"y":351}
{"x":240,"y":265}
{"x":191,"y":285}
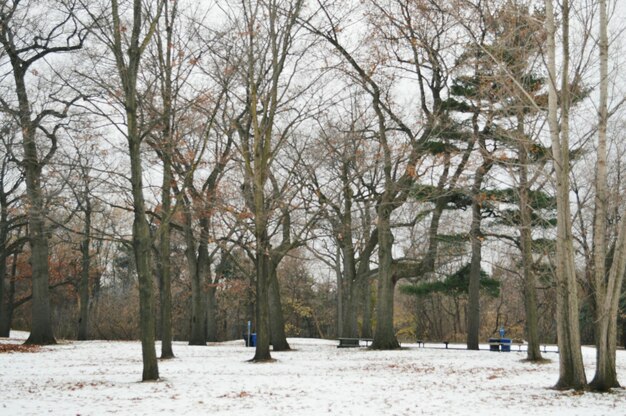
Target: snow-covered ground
{"x":99,"y":378}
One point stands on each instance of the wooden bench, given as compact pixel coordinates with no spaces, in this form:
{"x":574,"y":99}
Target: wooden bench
{"x":420,"y":343}
{"x":353,"y":342}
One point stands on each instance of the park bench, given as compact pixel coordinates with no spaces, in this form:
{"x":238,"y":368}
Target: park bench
{"x":420,"y":343}
{"x":353,"y":342}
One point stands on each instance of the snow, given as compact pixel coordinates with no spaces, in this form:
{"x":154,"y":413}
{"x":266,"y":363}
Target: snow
{"x":101,"y":377}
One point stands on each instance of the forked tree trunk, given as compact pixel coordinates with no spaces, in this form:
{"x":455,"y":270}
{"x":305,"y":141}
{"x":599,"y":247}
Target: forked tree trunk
{"x":21,"y":56}
{"x":41,"y":326}
{"x":571,"y":369}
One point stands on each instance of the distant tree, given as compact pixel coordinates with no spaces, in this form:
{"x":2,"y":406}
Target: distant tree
{"x":341,"y":183}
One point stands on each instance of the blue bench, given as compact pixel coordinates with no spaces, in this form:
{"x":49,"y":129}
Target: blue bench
{"x":500,"y":344}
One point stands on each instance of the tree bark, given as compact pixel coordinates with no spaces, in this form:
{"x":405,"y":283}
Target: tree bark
{"x":533,"y":353}
{"x":607,"y":289}
{"x":142,"y":243}
{"x":263,"y":329}
{"x":6,"y":317}
{"x":198,"y":282}
{"x":165,"y":286}
{"x":4,"y":236}
{"x":339,"y":276}
{"x":278,"y":338}
{"x":384,"y":335}
{"x":366,"y":305}
{"x":211,"y":319}
{"x":473,"y":314}
{"x":83,"y":319}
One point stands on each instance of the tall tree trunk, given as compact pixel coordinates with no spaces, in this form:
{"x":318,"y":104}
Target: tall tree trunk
{"x":211,"y":309}
{"x":350,"y":291}
{"x":607,"y":289}
{"x":476,"y":237}
{"x":4,"y":236}
{"x":6,"y":317}
{"x":571,"y":369}
{"x":41,"y":325}
{"x":384,"y":336}
{"x":363,"y":278}
{"x":366,"y":304}
{"x":473,"y":315}
{"x":165,"y":286}
{"x":263,"y":330}
{"x":533,"y":353}
{"x":167,"y":150}
{"x":339,"y":276}
{"x":198,"y":281}
{"x":278,"y":338}
{"x":142,"y":246}
{"x":83,"y":319}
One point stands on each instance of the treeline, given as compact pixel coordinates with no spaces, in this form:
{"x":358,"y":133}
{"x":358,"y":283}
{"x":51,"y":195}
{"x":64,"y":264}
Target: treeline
{"x":392,"y":169}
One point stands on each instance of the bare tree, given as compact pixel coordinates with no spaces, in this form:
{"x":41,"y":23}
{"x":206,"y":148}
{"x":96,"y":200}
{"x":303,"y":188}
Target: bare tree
{"x":270,"y":28}
{"x":571,"y":369}
{"x":27,"y":44}
{"x":127,"y":33}
{"x":607,"y":283}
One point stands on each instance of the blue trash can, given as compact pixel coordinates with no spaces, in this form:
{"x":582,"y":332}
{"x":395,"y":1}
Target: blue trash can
{"x":253,"y":339}
{"x":505,"y":344}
